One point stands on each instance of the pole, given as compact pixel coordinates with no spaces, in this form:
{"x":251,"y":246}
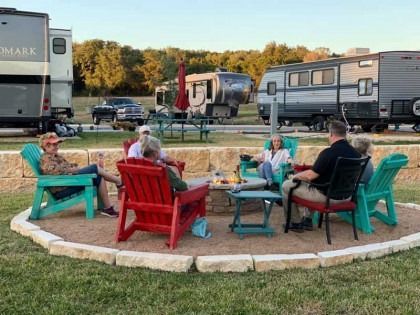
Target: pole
{"x":274,"y":116}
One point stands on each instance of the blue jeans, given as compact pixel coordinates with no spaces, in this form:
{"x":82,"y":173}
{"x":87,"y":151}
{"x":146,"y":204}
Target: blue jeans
{"x":91,"y":169}
{"x":265,"y":170}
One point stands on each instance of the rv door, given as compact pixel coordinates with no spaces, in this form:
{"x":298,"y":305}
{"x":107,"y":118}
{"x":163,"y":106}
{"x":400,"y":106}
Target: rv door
{"x":61,"y":70}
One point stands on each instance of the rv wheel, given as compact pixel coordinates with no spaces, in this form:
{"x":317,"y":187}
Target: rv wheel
{"x":367,"y":127}
{"x":318,"y":123}
{"x":416,"y":127}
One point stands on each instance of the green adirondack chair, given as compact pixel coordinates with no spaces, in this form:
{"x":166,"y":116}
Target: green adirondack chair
{"x":32,"y":154}
{"x":249,"y":168}
{"x":378,"y":188}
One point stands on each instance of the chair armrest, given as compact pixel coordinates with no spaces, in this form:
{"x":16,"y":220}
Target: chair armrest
{"x":66,"y":180}
{"x":193,"y":194}
{"x":248,"y":164}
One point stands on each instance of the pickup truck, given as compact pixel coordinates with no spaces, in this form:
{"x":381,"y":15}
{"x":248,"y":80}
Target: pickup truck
{"x":118,"y":109}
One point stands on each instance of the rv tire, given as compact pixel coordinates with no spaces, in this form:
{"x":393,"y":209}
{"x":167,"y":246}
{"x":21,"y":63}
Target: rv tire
{"x":318,"y":123}
{"x":367,"y":127}
{"x":414,"y":106}
{"x":96,"y":120}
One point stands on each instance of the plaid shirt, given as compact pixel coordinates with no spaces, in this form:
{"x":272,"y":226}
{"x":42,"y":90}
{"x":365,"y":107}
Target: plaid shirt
{"x":55,"y":164}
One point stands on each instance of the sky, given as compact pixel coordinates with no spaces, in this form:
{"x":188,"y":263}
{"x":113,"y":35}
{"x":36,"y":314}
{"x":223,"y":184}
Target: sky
{"x":219,"y":25}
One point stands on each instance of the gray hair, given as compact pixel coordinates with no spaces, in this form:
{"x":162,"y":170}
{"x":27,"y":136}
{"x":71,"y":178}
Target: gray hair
{"x":149,"y":145}
{"x":338,"y":129}
{"x":363,"y":145}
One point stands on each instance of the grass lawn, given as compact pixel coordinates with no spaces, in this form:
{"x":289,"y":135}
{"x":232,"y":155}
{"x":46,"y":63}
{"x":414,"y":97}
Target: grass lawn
{"x":247,"y":113}
{"x":32,"y":282}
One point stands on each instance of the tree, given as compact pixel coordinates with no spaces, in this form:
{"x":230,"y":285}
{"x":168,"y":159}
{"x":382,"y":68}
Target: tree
{"x":319,"y":53}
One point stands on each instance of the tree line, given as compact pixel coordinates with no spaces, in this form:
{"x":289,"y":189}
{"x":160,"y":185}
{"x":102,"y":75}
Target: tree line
{"x":108,"y":68}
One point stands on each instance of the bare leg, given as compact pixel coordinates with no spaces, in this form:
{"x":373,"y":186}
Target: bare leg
{"x":109,"y":177}
{"x":103,"y":194}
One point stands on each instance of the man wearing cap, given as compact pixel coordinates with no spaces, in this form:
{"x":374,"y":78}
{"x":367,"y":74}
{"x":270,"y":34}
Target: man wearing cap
{"x":52,"y":163}
{"x":135,"y":150}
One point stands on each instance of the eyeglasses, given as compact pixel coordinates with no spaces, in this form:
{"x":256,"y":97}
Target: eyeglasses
{"x":146,"y":132}
{"x":53,"y":144}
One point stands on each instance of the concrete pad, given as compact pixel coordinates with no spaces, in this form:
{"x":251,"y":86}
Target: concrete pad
{"x":335,"y":257}
{"x":23,"y":227}
{"x":84,"y":251}
{"x":44,"y":238}
{"x":166,"y":262}
{"x":413,"y":239}
{"x":224,"y":263}
{"x":283,"y":261}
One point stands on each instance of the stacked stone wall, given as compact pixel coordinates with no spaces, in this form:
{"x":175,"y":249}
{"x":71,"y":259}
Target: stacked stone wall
{"x":16,"y":175}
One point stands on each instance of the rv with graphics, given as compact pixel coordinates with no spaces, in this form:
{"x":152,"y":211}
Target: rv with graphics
{"x":215,"y":95}
{"x":370,"y":90}
{"x":36,"y":71}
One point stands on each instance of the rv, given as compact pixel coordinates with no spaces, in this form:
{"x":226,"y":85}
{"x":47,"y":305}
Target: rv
{"x":370,"y":90}
{"x":216,"y":95}
{"x":36,"y":71}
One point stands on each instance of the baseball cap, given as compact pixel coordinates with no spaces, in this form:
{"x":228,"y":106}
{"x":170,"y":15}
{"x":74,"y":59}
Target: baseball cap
{"x":144,"y":128}
{"x":49,"y":137}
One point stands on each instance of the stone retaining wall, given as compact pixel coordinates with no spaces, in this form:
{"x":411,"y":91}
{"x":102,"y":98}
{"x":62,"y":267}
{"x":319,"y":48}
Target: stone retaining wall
{"x":16,"y":176}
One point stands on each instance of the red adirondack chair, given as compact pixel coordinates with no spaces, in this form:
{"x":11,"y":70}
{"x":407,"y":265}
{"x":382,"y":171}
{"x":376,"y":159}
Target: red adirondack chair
{"x":127,"y":144}
{"x":157,"y":208}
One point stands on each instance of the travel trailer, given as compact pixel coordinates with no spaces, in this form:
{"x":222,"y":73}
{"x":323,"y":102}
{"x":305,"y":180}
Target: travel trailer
{"x":215,"y":95}
{"x":36,"y":71}
{"x":370,"y":90}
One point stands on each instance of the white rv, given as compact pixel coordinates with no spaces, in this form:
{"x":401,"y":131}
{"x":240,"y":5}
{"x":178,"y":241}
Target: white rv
{"x":36,"y":71}
{"x":216,"y":95}
{"x":370,"y":90}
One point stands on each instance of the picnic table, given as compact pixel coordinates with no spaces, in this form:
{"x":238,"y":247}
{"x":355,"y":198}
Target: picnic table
{"x":182,"y":125}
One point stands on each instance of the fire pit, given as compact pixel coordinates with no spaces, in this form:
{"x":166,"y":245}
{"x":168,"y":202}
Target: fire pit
{"x":218,"y":201}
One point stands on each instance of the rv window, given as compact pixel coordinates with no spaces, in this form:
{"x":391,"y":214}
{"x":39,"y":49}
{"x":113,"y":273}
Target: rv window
{"x":59,"y":46}
{"x":271,"y":88}
{"x":365,"y":87}
{"x":328,"y":76}
{"x":194,"y":90}
{"x":303,"y":78}
{"x":209,"y":89}
{"x":294,"y":79}
{"x":365,"y":63}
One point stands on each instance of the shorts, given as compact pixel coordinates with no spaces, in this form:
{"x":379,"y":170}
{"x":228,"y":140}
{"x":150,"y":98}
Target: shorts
{"x":90,"y":169}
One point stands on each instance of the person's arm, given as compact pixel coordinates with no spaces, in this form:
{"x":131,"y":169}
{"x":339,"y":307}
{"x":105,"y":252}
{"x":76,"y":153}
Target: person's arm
{"x":175,"y":182}
{"x":133,"y":151}
{"x":307,"y":176}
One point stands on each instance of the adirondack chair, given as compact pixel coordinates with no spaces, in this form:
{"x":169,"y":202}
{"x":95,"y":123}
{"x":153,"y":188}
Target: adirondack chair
{"x":248,"y":168}
{"x":157,"y":208}
{"x":127,"y":144}
{"x":378,"y":188}
{"x":32,"y":154}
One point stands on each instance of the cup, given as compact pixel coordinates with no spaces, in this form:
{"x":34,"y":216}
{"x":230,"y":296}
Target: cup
{"x":236,"y":187}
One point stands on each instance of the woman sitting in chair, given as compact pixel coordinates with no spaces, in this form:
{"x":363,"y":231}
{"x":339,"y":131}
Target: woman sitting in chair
{"x":364,"y":146}
{"x":52,"y":163}
{"x":271,"y":159}
{"x":150,"y":149}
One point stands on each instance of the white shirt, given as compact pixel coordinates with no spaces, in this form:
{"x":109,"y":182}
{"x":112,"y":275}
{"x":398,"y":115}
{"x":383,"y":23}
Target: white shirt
{"x":135,"y":152}
{"x":281,"y":156}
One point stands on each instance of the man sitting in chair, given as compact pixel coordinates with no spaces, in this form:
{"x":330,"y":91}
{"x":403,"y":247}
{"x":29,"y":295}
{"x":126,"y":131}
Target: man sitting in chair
{"x":320,"y":173}
{"x":135,"y":150}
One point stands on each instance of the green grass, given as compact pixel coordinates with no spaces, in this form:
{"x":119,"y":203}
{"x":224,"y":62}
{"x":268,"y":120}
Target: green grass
{"x":247,"y":113}
{"x":32,"y":282}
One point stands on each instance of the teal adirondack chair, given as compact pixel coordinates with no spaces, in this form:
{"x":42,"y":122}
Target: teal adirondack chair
{"x":32,"y":154}
{"x":248,"y":168}
{"x":378,"y":188}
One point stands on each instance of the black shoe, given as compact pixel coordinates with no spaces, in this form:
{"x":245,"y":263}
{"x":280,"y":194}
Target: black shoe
{"x":295,"y":227}
{"x":307,"y":224}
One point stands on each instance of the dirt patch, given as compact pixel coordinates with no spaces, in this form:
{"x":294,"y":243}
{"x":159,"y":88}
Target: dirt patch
{"x":72,"y":226}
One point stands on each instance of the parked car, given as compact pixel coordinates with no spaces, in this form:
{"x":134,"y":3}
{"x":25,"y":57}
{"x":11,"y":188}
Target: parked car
{"x":118,"y":109}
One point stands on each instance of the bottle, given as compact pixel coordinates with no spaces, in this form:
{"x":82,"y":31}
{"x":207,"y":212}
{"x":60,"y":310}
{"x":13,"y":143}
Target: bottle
{"x":101,"y":159}
{"x":237,"y":176}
